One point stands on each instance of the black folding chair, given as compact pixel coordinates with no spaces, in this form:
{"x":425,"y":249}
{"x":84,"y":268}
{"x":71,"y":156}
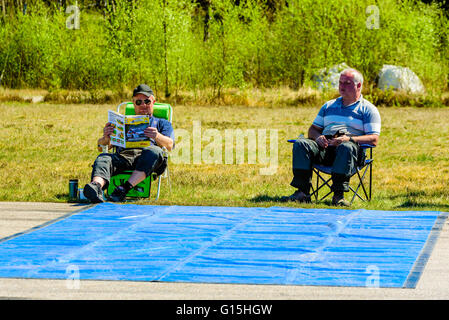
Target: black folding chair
{"x":362,"y":171}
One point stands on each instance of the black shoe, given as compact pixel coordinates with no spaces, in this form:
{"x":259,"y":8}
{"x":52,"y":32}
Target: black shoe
{"x":92,"y":191}
{"x":118,"y":195}
{"x":297,"y":196}
{"x":339,"y":200}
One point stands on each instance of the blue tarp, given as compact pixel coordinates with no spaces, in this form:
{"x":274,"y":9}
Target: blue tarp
{"x":276,"y":245}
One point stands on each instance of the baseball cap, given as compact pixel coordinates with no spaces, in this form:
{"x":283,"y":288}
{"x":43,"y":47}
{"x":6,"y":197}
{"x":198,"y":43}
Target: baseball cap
{"x":144,"y":89}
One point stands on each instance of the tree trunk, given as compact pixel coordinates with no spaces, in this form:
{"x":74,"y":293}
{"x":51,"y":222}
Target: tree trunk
{"x":3,"y":9}
{"x":167,"y":93}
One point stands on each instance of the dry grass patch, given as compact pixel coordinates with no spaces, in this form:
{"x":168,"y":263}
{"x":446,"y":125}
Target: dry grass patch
{"x":45,"y":145}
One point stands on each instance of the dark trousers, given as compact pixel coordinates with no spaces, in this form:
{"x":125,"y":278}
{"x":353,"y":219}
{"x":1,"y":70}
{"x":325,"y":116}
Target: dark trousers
{"x":343,"y":159}
{"x":149,"y":159}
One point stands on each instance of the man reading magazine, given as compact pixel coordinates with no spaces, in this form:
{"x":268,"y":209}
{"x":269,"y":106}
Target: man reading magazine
{"x":143,"y":161}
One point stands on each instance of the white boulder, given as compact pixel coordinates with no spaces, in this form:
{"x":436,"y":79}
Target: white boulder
{"x":328,"y":78}
{"x":399,"y":78}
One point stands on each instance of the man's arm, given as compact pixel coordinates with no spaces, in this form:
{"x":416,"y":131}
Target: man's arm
{"x":159,"y":138}
{"x":164,"y":141}
{"x":371,"y":139}
{"x":315,"y":133}
{"x":105,"y":140}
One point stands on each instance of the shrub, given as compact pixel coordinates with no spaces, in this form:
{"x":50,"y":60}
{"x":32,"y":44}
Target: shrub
{"x":163,"y":43}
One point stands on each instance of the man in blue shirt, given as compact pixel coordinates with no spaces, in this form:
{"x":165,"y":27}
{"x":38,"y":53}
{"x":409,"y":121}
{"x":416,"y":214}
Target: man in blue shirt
{"x":334,"y":139}
{"x":143,"y":161}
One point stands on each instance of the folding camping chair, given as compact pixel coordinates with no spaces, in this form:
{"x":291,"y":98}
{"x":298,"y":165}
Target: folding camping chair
{"x":366,"y":167}
{"x":143,"y":189}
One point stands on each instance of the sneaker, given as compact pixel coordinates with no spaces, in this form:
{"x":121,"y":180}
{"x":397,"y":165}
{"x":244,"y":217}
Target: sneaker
{"x":118,"y":195}
{"x":339,"y":201}
{"x":92,"y":191}
{"x":298,"y":196}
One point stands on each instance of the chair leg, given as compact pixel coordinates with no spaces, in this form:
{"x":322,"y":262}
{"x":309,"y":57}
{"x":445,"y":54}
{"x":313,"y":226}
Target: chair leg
{"x":168,"y":178}
{"x":355,"y":195}
{"x":361,"y":178}
{"x":318,"y":187}
{"x":315,"y":190}
{"x":367,"y":170}
{"x":325,"y":183}
{"x":166,"y":174}
{"x":158,"y":187}
{"x":370,"y":179}
{"x":361,"y":184}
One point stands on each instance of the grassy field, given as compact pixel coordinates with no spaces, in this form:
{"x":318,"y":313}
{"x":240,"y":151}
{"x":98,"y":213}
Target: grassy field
{"x":44,"y":145}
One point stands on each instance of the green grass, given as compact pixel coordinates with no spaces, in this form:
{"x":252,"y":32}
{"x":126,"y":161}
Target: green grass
{"x":44,"y":145}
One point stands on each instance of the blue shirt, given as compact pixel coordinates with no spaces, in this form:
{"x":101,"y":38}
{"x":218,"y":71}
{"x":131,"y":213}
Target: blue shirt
{"x":359,"y":118}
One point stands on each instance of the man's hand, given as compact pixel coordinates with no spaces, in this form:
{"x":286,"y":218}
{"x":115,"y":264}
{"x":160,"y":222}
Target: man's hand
{"x":105,"y":140}
{"x":322,"y":141}
{"x":108,"y":130}
{"x":335,"y":142}
{"x":151,"y":133}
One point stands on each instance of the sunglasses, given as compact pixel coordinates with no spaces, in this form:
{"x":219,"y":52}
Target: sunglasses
{"x":139,"y":102}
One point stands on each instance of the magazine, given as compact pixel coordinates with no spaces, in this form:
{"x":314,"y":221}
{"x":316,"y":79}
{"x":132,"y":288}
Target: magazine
{"x":128,"y":130}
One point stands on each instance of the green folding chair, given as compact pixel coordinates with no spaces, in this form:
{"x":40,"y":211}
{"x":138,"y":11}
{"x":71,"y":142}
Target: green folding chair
{"x":143,"y":189}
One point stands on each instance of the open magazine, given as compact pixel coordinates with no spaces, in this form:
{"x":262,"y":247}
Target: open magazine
{"x":128,"y":130}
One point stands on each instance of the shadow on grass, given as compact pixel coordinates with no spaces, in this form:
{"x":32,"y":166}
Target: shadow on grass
{"x":65,"y":197}
{"x":62,"y":196}
{"x":415,"y":204}
{"x":409,"y":194}
{"x":411,"y":200}
{"x":266,"y":198}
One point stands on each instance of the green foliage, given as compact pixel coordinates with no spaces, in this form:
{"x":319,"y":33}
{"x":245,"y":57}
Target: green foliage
{"x":163,"y":43}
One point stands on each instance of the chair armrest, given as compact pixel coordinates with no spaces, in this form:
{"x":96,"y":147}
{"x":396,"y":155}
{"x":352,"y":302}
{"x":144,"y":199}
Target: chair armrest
{"x":164,"y":149}
{"x":367,"y":146}
{"x":363,"y":145}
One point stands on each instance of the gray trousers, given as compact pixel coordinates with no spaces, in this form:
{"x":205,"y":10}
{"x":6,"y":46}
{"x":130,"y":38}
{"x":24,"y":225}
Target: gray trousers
{"x":149,"y":159}
{"x":343,"y":159}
